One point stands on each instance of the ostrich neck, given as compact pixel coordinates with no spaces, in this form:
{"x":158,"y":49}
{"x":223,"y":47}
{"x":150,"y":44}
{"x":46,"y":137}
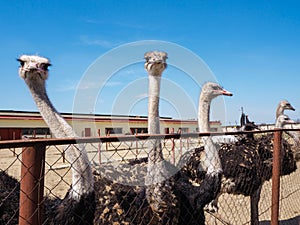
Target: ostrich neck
{"x":203,"y":114}
{"x":82,"y":178}
{"x":159,"y":190}
{"x":58,"y":126}
{"x":278,"y":125}
{"x":279,"y":111}
{"x":212,"y":161}
{"x":155,"y":158}
{"x":153,"y":105}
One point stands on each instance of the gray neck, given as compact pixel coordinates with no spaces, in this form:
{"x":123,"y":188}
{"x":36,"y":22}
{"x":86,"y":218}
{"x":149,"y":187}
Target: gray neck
{"x":82,"y":178}
{"x":212,"y":161}
{"x":279,"y":124}
{"x":203,"y":113}
{"x":155,"y":172}
{"x":279,"y":111}
{"x":153,"y":104}
{"x":58,"y":126}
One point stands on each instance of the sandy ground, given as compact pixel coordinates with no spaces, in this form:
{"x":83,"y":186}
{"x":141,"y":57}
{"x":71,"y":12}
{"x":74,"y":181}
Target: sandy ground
{"x":232,"y":209}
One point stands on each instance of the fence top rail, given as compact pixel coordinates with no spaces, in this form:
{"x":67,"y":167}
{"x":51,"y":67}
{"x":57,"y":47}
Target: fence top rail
{"x":121,"y":138}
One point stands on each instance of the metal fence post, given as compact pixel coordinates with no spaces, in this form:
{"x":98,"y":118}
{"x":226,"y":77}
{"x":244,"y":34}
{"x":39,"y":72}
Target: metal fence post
{"x":32,"y":185}
{"x":99,"y":147}
{"x":276,"y":177}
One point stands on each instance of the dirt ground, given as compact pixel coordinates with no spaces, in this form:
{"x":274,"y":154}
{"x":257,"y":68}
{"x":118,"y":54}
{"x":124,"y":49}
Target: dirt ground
{"x":232,"y":209}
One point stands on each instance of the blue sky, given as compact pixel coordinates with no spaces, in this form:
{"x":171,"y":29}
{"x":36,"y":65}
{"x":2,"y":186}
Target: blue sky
{"x":251,"y":47}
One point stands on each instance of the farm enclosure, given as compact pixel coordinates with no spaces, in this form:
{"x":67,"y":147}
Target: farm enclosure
{"x":233,"y":209}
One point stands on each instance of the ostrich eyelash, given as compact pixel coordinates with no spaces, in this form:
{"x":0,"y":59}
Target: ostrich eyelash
{"x":21,"y":62}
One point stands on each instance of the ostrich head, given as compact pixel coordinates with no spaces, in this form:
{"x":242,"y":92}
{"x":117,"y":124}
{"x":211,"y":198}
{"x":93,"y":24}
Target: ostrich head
{"x":33,"y":68}
{"x":284,"y":104}
{"x":155,"y":62}
{"x":283,"y":120}
{"x":212,"y":90}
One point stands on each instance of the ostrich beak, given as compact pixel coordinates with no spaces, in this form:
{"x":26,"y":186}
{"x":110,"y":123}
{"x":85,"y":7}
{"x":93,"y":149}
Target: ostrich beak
{"x":227,"y":93}
{"x":291,"y":108}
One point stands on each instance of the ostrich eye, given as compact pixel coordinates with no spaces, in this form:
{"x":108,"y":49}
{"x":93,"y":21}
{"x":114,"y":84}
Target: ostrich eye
{"x":21,"y":62}
{"x":44,"y":66}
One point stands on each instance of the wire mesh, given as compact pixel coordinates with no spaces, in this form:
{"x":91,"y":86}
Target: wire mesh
{"x":121,"y":164}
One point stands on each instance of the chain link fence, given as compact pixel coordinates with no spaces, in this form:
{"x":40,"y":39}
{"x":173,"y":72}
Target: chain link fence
{"x":123,"y":161}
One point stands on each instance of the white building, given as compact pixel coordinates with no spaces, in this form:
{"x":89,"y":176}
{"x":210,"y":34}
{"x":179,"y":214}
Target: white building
{"x":15,"y":124}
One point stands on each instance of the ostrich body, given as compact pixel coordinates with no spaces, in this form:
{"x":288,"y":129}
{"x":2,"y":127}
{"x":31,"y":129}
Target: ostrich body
{"x":247,"y":164}
{"x":9,"y":199}
{"x":78,"y":206}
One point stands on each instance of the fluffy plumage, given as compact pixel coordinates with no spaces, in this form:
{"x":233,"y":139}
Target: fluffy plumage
{"x":9,"y":199}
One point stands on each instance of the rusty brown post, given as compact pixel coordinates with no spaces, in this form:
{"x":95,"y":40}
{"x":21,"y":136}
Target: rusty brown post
{"x":173,"y":147}
{"x":107,"y":143}
{"x":276,"y":178}
{"x":99,"y":147}
{"x":180,"y":142}
{"x":32,"y":185}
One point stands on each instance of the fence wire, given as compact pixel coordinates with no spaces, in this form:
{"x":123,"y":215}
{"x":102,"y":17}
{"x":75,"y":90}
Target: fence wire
{"x":120,"y":165}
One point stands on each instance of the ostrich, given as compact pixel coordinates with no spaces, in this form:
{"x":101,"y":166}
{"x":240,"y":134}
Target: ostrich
{"x":200,"y":176}
{"x":209,"y":91}
{"x":285,"y":105}
{"x":159,"y":189}
{"x":247,"y":164}
{"x":78,"y":206}
{"x":203,"y":165}
{"x":155,"y":203}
